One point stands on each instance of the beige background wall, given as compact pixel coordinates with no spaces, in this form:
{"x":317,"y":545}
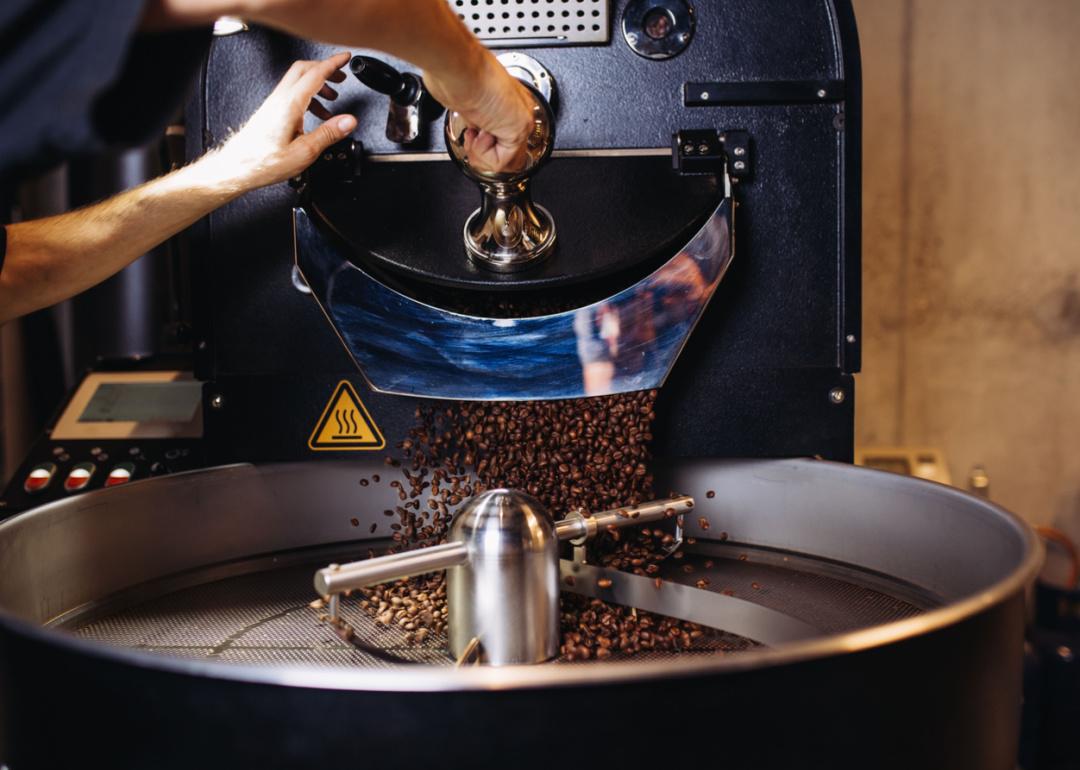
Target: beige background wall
{"x":971,"y":241}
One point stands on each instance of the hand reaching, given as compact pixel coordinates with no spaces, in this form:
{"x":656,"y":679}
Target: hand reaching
{"x":272,"y":145}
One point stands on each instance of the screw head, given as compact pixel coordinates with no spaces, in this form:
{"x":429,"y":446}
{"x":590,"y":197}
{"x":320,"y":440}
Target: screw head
{"x":837,"y":395}
{"x":739,"y":165}
{"x":705,"y":95}
{"x":851,"y":339}
{"x":740,"y":150}
{"x":217,"y":401}
{"x":821,"y":93}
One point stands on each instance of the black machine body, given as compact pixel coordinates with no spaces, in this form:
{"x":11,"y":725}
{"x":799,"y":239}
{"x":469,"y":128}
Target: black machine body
{"x":768,"y":372}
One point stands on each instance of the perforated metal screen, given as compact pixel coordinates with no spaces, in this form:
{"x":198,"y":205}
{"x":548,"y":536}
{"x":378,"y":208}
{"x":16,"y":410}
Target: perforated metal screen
{"x":265,"y":618}
{"x":509,"y":23}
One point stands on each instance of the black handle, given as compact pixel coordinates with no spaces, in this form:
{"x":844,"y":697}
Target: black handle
{"x":380,"y":76}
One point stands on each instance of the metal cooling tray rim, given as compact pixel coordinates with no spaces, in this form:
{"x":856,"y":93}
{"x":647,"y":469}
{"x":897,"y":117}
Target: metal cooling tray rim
{"x":440,"y":679}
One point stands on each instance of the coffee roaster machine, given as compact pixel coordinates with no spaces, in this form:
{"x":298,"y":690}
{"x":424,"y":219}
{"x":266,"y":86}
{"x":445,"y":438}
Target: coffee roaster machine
{"x":687,"y":219}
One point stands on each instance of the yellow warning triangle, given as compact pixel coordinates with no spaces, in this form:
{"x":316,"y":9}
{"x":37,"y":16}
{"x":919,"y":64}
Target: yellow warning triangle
{"x":345,"y":424}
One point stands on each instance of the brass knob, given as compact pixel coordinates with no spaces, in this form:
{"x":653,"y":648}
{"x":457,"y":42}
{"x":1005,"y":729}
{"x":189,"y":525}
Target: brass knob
{"x":508,"y":232}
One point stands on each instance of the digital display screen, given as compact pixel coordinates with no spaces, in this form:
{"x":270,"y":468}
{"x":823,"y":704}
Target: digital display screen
{"x":143,"y":402}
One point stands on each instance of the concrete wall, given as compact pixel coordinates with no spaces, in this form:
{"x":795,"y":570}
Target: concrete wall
{"x":971,"y":242}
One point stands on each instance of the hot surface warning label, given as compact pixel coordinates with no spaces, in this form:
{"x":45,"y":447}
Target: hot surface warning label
{"x":345,"y":424}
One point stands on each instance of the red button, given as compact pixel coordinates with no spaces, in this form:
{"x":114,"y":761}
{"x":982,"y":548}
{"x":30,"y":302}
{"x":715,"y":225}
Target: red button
{"x":39,"y":477}
{"x":79,"y":477}
{"x":121,"y":474}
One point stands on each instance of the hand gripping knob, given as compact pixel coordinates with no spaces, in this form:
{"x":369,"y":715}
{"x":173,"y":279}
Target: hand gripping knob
{"x":508,"y":232}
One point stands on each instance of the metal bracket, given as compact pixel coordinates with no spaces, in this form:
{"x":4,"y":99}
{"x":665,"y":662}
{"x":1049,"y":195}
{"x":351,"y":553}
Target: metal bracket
{"x":339,"y":162}
{"x":707,"y":151}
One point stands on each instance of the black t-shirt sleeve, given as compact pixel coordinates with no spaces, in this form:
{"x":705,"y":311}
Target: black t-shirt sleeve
{"x":75,"y":77}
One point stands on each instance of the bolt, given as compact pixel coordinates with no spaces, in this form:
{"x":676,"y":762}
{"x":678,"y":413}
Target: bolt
{"x":740,"y":150}
{"x":837,"y":395}
{"x":705,"y":95}
{"x":217,"y":401}
{"x":821,"y":93}
{"x":851,"y":339}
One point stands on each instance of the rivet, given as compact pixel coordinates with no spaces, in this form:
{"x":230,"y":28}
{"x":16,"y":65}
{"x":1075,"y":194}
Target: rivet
{"x":837,"y":395}
{"x":217,"y":401}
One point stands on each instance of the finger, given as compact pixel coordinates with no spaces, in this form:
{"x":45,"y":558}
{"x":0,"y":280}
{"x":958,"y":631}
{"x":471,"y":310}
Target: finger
{"x":295,"y":72}
{"x":314,"y":79}
{"x":337,"y":77}
{"x":318,"y":110}
{"x":308,"y":85}
{"x":328,"y":93}
{"x":484,"y":142}
{"x":311,"y":145}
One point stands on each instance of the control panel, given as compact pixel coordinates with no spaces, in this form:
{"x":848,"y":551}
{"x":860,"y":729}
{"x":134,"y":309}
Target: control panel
{"x":117,"y":428}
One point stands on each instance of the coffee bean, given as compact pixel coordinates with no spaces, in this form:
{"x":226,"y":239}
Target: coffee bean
{"x":590,"y":454}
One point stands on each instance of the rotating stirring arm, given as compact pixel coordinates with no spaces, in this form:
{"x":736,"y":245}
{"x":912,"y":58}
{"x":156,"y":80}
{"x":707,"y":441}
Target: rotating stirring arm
{"x":503,"y":563}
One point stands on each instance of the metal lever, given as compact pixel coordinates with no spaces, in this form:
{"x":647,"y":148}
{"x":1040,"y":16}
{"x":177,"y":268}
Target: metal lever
{"x":577,"y":528}
{"x":406,"y":92}
{"x":336,"y":579}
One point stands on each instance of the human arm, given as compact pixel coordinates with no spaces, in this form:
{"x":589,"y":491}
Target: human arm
{"x":460,"y":72}
{"x":49,"y":260}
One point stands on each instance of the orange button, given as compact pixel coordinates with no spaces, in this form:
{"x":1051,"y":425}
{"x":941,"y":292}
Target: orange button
{"x":79,"y":477}
{"x":121,"y":474}
{"x":39,"y":477}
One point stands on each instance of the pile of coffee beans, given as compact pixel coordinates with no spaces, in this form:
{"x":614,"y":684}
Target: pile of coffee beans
{"x":590,"y":454}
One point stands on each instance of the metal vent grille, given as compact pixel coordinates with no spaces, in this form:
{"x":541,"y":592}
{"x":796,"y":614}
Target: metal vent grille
{"x":517,"y":23}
